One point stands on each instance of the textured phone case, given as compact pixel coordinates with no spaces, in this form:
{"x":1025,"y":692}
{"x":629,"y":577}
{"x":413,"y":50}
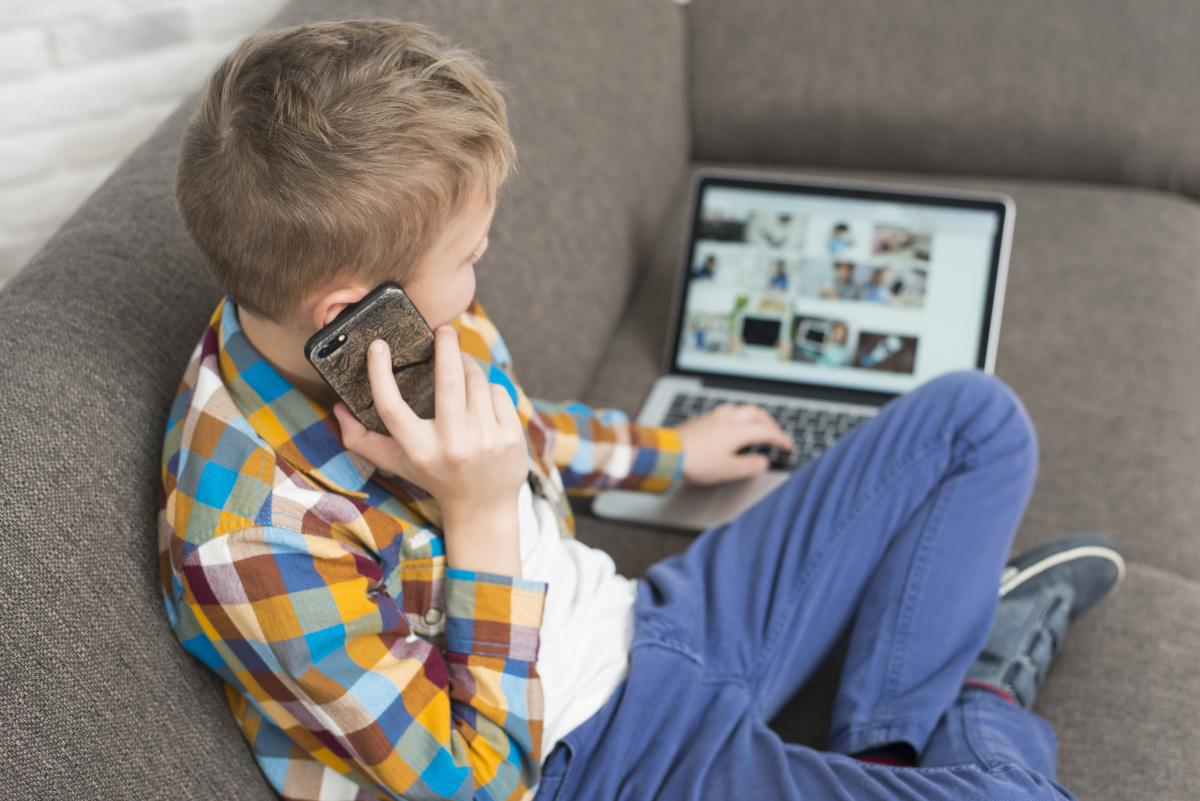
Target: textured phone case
{"x":387,"y":314}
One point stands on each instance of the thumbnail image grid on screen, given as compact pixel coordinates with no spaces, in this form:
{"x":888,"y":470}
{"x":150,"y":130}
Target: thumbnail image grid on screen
{"x":831,"y":290}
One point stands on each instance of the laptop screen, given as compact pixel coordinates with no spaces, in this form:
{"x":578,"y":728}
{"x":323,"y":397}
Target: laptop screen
{"x":836,"y":287}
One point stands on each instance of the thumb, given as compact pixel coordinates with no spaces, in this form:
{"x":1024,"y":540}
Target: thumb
{"x":355,"y":436}
{"x":370,"y":445}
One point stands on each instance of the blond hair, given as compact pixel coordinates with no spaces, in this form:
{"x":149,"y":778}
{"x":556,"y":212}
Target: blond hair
{"x":335,"y":149}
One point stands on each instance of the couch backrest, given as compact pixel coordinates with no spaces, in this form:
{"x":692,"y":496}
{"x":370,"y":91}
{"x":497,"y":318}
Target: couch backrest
{"x":1077,"y":89}
{"x":97,"y":697}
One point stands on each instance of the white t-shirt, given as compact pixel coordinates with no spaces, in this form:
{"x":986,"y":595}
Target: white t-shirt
{"x":587,"y":619}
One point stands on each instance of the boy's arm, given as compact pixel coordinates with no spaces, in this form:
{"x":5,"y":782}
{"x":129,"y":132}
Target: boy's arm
{"x":601,"y":448}
{"x":593,"y":448}
{"x":304,"y":622}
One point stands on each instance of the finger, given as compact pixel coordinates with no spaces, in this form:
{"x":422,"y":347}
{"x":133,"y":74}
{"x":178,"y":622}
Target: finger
{"x":752,"y":411}
{"x":449,"y":398}
{"x":779,"y":430}
{"x":503,"y":408}
{"x":399,"y":418}
{"x":350,"y":425}
{"x":759,"y":433}
{"x":479,"y":399}
{"x":356,"y":437}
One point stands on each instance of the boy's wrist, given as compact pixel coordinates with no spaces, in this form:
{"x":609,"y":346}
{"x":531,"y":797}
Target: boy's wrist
{"x":483,"y":538}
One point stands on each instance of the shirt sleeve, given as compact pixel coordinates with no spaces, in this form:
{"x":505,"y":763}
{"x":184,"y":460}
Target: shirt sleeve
{"x":601,"y":448}
{"x":306,"y":625}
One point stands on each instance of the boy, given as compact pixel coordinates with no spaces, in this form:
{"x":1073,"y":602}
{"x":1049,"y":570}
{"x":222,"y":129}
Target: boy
{"x":409,"y":616}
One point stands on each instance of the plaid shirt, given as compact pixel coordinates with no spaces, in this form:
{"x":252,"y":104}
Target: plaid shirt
{"x":356,"y":663}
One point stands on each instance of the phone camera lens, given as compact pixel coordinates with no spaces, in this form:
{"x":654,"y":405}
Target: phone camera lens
{"x":332,"y":345}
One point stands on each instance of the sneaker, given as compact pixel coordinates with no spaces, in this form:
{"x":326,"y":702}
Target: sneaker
{"x":1043,"y":591}
{"x":1089,"y":562}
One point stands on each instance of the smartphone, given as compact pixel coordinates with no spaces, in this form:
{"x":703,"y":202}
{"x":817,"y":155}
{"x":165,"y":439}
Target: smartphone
{"x":338,"y":352}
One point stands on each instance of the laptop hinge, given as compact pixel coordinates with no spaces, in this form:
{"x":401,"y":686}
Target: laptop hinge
{"x":743,"y":384}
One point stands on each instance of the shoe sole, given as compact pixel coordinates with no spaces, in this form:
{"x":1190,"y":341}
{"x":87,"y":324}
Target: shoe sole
{"x":1038,"y":560}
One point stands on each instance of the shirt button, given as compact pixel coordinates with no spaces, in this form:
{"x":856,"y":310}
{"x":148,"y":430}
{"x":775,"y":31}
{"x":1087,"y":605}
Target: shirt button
{"x":433,"y":615}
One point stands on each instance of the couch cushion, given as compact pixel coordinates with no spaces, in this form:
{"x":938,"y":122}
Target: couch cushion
{"x":101,"y":697}
{"x":1099,"y":317}
{"x":1123,"y":694}
{"x":1079,"y":90}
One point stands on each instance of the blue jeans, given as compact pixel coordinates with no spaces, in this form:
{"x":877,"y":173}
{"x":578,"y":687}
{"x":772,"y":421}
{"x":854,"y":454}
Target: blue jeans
{"x":899,"y":532}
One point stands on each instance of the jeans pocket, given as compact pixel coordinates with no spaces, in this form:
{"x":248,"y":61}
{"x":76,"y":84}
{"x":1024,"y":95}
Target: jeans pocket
{"x":554,"y":770}
{"x":548,"y":788}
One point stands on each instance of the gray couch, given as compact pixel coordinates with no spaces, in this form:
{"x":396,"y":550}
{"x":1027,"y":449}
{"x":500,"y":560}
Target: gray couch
{"x":1084,"y":111}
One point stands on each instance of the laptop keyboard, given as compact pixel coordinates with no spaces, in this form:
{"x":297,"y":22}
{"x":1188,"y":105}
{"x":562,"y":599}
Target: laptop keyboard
{"x":813,"y":429}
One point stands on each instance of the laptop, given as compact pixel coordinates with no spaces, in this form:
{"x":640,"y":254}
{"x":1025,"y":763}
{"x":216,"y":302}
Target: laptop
{"x":820,"y":300}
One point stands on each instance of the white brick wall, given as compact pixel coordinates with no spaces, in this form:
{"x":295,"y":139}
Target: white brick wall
{"x":82,"y":83}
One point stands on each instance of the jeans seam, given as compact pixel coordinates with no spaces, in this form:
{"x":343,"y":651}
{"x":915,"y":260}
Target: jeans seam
{"x":1010,"y":767}
{"x":898,"y":647}
{"x":927,"y":448}
{"x":974,"y":445}
{"x":668,"y":644}
{"x":551,"y":786}
{"x":970,"y":721}
{"x":562,"y":778}
{"x":875,"y":727}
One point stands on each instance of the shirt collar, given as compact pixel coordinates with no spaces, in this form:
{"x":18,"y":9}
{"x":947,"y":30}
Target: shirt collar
{"x":303,"y":432}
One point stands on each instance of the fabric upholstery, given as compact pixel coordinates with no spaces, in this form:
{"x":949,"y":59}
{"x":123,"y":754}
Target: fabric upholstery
{"x":1097,"y":335}
{"x":1087,"y":90}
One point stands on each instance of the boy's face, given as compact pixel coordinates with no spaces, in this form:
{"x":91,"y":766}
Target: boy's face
{"x":443,"y":282}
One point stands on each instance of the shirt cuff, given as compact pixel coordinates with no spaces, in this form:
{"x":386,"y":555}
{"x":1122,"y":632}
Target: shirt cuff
{"x":493,"y":614}
{"x":658,"y":463}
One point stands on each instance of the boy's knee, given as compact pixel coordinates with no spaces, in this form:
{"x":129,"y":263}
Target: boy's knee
{"x":989,"y":401}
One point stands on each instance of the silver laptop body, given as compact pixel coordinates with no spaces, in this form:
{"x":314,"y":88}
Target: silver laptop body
{"x":765,"y":310}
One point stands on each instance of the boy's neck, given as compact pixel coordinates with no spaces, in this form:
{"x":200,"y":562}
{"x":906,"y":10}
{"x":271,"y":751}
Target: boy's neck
{"x":283,"y":346}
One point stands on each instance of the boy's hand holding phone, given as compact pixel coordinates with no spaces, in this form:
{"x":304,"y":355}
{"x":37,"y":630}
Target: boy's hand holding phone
{"x":472,"y":456}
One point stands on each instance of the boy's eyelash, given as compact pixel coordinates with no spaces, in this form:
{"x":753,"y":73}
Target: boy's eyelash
{"x":474,"y":257}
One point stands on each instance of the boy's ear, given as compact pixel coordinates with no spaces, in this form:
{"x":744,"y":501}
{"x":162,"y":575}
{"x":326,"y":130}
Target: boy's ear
{"x":330,"y":304}
{"x":331,"y":313}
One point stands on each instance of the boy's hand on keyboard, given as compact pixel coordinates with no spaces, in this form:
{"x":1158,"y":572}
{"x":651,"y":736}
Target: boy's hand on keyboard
{"x":711,"y":442}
